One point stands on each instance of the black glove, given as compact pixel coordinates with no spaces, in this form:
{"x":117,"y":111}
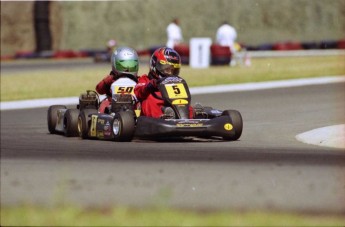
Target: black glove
{"x":152,"y":86}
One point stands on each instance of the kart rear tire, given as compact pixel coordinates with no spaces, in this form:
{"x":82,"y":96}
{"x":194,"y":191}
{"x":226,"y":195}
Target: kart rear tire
{"x":237,"y":123}
{"x":70,"y":122}
{"x":84,"y":122}
{"x":52,"y":117}
{"x":123,"y":126}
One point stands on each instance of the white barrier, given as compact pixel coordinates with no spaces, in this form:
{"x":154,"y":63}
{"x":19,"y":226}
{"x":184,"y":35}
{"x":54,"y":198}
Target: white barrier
{"x":200,"y":52}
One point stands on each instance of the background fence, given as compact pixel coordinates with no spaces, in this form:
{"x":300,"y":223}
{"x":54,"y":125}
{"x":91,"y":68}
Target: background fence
{"x":142,"y":23}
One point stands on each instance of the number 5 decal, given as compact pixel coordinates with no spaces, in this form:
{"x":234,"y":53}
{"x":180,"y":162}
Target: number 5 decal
{"x":176,"y":91}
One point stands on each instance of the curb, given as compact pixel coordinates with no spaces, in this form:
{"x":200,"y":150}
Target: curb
{"x":331,"y":136}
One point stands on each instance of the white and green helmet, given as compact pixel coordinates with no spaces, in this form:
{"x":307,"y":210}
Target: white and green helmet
{"x":124,"y":60}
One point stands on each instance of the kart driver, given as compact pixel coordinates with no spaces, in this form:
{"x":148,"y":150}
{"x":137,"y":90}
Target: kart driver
{"x":124,"y":63}
{"x":164,"y":62}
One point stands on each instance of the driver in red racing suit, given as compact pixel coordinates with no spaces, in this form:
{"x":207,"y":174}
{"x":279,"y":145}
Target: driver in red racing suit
{"x":163,"y":63}
{"x":124,"y":63}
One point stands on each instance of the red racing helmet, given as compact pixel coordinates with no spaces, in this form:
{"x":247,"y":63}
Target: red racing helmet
{"x":165,"y":62}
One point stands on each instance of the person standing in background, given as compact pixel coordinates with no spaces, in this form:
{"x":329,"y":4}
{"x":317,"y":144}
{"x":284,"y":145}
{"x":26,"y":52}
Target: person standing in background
{"x":111,"y":44}
{"x":226,"y":36}
{"x":174,"y":33}
{"x":106,"y":56}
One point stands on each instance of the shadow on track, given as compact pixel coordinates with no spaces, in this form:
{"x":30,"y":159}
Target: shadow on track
{"x":176,"y":149}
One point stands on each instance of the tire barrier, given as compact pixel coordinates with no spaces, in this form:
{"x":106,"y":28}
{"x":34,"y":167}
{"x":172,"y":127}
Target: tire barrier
{"x":219,"y":55}
{"x":288,"y":46}
{"x":183,"y":51}
{"x":341,"y":44}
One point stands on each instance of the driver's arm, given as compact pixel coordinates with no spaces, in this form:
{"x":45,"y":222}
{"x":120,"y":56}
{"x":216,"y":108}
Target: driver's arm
{"x":144,"y":87}
{"x":103,"y":87}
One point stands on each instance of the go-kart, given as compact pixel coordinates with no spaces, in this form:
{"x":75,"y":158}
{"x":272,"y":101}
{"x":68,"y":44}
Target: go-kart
{"x":65,"y":121}
{"x":92,"y":124}
{"x":123,"y":124}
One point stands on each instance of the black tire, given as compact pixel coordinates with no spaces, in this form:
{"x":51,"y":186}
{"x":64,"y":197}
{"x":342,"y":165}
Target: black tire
{"x":84,"y":122}
{"x":126,"y":126}
{"x":70,"y":122}
{"x":237,"y":123}
{"x":52,"y":117}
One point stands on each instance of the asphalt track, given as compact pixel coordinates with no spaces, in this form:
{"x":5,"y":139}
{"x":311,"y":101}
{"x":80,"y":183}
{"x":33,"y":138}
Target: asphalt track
{"x":267,"y":169}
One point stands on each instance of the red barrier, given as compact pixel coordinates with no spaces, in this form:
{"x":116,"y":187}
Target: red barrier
{"x":220,"y":55}
{"x":288,"y":46}
{"x":183,"y":51}
{"x":341,"y":44}
{"x":65,"y":54}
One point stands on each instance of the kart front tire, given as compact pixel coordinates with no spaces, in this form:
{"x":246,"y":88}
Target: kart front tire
{"x":84,"y":122}
{"x":123,"y":126}
{"x":52,"y":117}
{"x":237,"y":123}
{"x":70,"y":122}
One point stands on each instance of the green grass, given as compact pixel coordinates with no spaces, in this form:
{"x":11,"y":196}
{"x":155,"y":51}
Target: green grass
{"x":124,"y":216}
{"x":65,"y":83}
{"x":267,"y":69}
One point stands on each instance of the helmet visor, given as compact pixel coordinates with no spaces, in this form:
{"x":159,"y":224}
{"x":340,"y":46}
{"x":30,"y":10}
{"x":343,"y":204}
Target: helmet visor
{"x":168,"y":68}
{"x":130,"y":66}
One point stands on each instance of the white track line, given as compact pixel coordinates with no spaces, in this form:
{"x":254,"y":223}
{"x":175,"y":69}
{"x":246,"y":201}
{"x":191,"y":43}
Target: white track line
{"x":27,"y":104}
{"x":267,"y":85}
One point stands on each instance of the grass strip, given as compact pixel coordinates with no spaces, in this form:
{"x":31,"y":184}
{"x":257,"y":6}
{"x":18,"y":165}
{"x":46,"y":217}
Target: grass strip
{"x":123,"y":216}
{"x":50,"y":83}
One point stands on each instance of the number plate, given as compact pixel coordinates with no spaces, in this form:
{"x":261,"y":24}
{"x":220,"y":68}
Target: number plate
{"x":124,"y":90}
{"x":176,"y":91}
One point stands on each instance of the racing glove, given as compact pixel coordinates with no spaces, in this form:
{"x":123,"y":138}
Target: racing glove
{"x":152,"y":85}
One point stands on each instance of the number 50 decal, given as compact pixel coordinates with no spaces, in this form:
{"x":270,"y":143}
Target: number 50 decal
{"x":176,"y":91}
{"x":124,"y":90}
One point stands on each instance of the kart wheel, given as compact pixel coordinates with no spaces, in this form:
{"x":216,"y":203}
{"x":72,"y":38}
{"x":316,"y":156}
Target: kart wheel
{"x":123,"y":126}
{"x":70,"y":122}
{"x":237,"y":123}
{"x":52,"y":117}
{"x":84,"y":122}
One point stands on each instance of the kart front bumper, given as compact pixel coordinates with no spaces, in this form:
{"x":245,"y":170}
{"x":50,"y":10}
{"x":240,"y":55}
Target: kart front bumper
{"x":152,"y":127}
